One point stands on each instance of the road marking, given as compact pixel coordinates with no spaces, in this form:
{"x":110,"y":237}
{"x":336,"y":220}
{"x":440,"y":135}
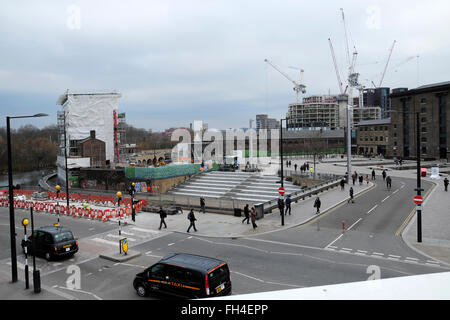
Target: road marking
{"x":354,"y":223}
{"x":373,"y":208}
{"x":415,"y":259}
{"x":377,"y":253}
{"x":334,"y":241}
{"x":19,"y":265}
{"x":411,"y":214}
{"x":385,"y":199}
{"x":128,"y":233}
{"x":145,"y":230}
{"x":362,"y":251}
{"x":395,"y":191}
{"x":393,"y":256}
{"x":170,"y":244}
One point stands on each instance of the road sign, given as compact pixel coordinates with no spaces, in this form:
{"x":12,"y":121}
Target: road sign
{"x":281,"y":191}
{"x":418,"y":199}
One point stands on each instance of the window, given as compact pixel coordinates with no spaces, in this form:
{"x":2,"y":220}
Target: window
{"x":64,"y":236}
{"x":423,"y":110}
{"x":423,"y":139}
{"x":423,"y":119}
{"x":381,"y":138}
{"x":158,"y":271}
{"x":423,"y":149}
{"x":423,"y":100}
{"x":424,"y":129}
{"x":376,"y":138}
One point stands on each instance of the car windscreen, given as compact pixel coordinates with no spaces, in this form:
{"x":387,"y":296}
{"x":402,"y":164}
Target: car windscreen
{"x":63,"y":236}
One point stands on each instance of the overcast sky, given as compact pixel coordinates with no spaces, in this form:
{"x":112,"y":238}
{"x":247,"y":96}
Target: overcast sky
{"x":176,"y":61}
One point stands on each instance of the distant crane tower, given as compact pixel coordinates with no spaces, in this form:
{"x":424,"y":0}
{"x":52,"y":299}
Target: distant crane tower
{"x":298,"y":87}
{"x":387,"y":62}
{"x":336,"y":67}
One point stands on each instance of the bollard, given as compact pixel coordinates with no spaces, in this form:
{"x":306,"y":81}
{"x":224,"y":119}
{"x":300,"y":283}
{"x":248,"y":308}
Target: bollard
{"x":343,"y":226}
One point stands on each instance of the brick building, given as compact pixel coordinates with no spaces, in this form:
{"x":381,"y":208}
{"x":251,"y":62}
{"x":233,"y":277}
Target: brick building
{"x":431,"y":103}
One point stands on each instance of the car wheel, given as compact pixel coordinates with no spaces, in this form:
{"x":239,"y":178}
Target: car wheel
{"x":141,"y":290}
{"x":48,"y":256}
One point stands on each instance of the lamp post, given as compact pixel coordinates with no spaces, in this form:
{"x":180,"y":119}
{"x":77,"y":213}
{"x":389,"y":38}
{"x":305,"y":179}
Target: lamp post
{"x":27,"y":282}
{"x":281,"y":159}
{"x":12,"y":226}
{"x":66,"y":169}
{"x":418,"y":165}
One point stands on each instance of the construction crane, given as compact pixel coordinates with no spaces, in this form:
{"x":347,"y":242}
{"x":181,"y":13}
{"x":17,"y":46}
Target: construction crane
{"x":336,"y":67}
{"x":298,"y":87}
{"x":387,"y":62}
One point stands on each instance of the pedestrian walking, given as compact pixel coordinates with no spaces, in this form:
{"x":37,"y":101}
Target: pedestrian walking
{"x":246,"y":214}
{"x":288,"y":205}
{"x":342,"y":184}
{"x":388,"y":182}
{"x":445,"y":183}
{"x":317,"y":204}
{"x":351,"y":196}
{"x":162,"y":216}
{"x":192,"y":220}
{"x":281,"y":205}
{"x":367,"y":178}
{"x":253,"y":217}
{"x":202,"y":204}
{"x":360,"y":180}
{"x":373,"y":174}
{"x":384,"y":174}
{"x":354,"y":178}
{"x":295,"y":166}
{"x":289,"y":163}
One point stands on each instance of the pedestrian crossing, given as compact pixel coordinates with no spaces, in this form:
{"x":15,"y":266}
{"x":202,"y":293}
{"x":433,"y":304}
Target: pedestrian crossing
{"x":387,"y":256}
{"x":134,"y":235}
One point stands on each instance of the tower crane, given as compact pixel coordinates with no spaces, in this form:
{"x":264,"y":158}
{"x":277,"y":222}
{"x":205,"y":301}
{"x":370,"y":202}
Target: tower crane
{"x":298,"y":87}
{"x":387,"y":62}
{"x":336,"y":67}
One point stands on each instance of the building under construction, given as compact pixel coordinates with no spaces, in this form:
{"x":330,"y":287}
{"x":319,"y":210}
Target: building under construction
{"x":82,"y":115}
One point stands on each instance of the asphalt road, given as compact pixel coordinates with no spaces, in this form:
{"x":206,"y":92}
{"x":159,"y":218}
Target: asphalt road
{"x":318,"y":253}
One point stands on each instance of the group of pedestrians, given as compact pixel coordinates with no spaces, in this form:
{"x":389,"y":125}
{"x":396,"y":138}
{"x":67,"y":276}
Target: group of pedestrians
{"x":163,"y":215}
{"x":250,"y":215}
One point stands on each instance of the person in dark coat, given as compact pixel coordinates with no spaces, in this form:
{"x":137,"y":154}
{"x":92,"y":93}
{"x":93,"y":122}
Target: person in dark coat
{"x":446,"y":183}
{"x":288,"y":204}
{"x":317,"y":204}
{"x":388,"y":182}
{"x":162,"y":215}
{"x":384,"y":174}
{"x":246,"y":214}
{"x":351,"y":196}
{"x":373,"y":174}
{"x":202,"y":204}
{"x":192,"y":219}
{"x":295,"y":166}
{"x":281,"y":205}
{"x":342,"y":184}
{"x":360,"y":179}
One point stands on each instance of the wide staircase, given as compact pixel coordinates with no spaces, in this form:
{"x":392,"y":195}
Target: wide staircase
{"x":234,"y":185}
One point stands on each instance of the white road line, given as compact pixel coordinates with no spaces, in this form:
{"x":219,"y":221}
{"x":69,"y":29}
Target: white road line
{"x":373,"y":208}
{"x":19,"y":265}
{"x":354,"y":223}
{"x":393,"y":256}
{"x":348,"y":249}
{"x":415,"y":259}
{"x":128,"y":233}
{"x":431,"y":261}
{"x":153,"y":255}
{"x":362,"y":251}
{"x":395,"y":191}
{"x":377,"y":253}
{"x":332,"y":247}
{"x":385,"y":199}
{"x":144,"y":230}
{"x":334,"y":241}
{"x":170,"y":244}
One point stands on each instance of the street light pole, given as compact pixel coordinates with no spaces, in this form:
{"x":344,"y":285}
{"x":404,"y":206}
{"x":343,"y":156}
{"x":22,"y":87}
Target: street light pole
{"x":12,"y":226}
{"x":65,"y":159}
{"x":419,"y":187}
{"x":281,"y":158}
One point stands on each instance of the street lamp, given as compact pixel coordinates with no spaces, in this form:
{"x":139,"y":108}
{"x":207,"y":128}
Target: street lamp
{"x":58,"y":189}
{"x":281,"y":158}
{"x":119,"y":198}
{"x":12,"y":226}
{"x":419,"y":184}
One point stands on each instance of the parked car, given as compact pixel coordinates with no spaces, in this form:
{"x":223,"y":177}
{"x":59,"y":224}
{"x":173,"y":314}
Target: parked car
{"x":51,"y":242}
{"x":185,"y":275}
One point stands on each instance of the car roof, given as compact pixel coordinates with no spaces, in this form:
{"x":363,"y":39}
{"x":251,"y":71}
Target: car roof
{"x":192,"y":261}
{"x":53,"y":229}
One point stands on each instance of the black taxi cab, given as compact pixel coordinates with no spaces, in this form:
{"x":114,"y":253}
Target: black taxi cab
{"x":186,"y":276}
{"x":51,"y":242}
